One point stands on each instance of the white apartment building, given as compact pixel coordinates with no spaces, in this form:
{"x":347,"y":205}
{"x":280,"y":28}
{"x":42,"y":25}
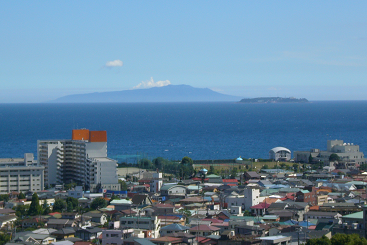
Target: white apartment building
{"x":82,"y":160}
{"x":21,"y":174}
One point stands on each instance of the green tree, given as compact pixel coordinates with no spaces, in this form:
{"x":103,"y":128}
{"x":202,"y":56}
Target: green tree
{"x":146,"y":163}
{"x":47,"y":210}
{"x":211,"y":170}
{"x":186,"y":213}
{"x":295,"y":167}
{"x":339,"y":239}
{"x":59,"y":206}
{"x":334,"y":157}
{"x":98,"y":203}
{"x":74,"y":202}
{"x":69,"y":207}
{"x":282,"y":165}
{"x":4,"y":238}
{"x":123,"y":185}
{"x":234,"y":172}
{"x":265,"y":166}
{"x":310,"y":159}
{"x":21,"y":210}
{"x":187,"y":160}
{"x":35,"y":207}
{"x":69,"y":186}
{"x":319,"y":241}
{"x":21,"y":196}
{"x":113,"y":197}
{"x":4,"y":197}
{"x":247,"y":213}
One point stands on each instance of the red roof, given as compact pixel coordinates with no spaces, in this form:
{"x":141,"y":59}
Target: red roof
{"x":204,"y":228}
{"x":261,"y":206}
{"x":229,"y":180}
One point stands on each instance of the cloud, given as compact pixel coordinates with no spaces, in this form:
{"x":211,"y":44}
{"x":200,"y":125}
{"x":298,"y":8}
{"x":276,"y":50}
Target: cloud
{"x":150,"y":83}
{"x":114,"y":63}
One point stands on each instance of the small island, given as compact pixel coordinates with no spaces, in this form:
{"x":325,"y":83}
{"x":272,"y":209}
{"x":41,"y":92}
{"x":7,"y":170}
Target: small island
{"x":274,"y":100}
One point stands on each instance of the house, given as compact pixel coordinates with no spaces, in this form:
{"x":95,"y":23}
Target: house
{"x":147,"y":223}
{"x":63,"y":233}
{"x":233,"y":182}
{"x":60,"y":223}
{"x":137,"y":241}
{"x":163,"y":209}
{"x":172,"y":228}
{"x":97,"y":217}
{"x":32,"y":222}
{"x":269,"y":240}
{"x":116,"y":236}
{"x":141,"y":200}
{"x":251,"y":175}
{"x":89,"y":233}
{"x":122,"y":204}
{"x":249,"y":230}
{"x":173,"y":190}
{"x":172,"y":219}
{"x":39,"y":239}
{"x":204,"y":230}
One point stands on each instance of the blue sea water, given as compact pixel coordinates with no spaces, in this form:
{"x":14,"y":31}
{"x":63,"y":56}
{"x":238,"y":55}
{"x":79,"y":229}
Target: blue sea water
{"x":199,"y":130}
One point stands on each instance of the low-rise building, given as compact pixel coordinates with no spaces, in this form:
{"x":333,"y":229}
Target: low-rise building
{"x":147,"y":223}
{"x":21,"y":174}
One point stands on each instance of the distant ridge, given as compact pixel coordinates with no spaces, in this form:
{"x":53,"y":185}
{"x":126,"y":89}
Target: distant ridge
{"x":170,"y":93}
{"x":274,"y":100}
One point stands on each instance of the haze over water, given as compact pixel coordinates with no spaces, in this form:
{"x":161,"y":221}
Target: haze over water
{"x":199,"y":130}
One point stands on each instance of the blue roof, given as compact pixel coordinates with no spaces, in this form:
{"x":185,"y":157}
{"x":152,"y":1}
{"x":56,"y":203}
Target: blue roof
{"x":175,"y":227}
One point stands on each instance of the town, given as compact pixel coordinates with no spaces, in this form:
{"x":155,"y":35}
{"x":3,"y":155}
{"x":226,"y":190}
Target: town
{"x":73,"y":193}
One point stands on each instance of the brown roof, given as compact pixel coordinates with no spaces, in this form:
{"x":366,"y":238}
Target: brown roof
{"x":204,"y":228}
{"x":193,"y":199}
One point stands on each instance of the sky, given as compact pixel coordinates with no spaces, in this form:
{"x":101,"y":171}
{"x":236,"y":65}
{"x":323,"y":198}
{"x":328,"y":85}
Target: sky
{"x":311,"y":49}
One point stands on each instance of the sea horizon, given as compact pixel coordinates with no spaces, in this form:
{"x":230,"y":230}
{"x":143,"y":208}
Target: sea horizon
{"x":200,"y":130}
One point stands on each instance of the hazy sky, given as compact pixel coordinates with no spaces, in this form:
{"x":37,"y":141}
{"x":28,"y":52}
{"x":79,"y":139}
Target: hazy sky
{"x":312,"y":49}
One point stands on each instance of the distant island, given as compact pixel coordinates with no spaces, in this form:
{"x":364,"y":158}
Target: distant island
{"x":169,"y":93}
{"x":274,"y":100}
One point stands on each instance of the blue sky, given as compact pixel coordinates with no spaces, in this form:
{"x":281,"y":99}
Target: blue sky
{"x":312,"y":49}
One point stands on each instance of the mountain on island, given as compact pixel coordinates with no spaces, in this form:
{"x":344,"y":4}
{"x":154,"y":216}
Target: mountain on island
{"x":169,"y":93}
{"x":274,"y":100}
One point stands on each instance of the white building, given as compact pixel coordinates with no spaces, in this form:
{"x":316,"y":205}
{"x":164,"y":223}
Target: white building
{"x":348,"y":153}
{"x":280,"y":154}
{"x":156,"y":183}
{"x":21,"y":174}
{"x":152,"y":224}
{"x":249,"y":198}
{"x":77,"y":192}
{"x":116,"y":237}
{"x":82,"y":160}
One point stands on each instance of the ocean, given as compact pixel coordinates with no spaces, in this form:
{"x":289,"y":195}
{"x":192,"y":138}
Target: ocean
{"x":222,"y":130}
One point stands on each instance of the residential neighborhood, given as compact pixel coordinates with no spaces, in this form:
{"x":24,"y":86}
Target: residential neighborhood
{"x":159,"y":202}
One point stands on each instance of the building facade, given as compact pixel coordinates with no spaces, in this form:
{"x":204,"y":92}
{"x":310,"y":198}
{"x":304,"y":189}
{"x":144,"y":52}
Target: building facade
{"x":21,"y":175}
{"x":82,"y":160}
{"x":348,"y":153}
